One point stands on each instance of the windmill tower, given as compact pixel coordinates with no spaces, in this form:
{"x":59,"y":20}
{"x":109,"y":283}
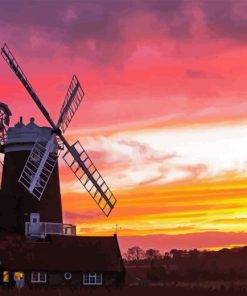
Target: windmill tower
{"x":17,"y":146}
{"x":30,"y":172}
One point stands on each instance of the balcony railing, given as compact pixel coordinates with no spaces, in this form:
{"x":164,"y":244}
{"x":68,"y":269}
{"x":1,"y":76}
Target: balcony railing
{"x":44,"y":228}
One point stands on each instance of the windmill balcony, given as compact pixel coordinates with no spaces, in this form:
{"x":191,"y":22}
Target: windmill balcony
{"x":44,"y":228}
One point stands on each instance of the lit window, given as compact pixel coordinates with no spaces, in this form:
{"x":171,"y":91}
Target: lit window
{"x":18,"y":275}
{"x":92,"y":279}
{"x":5,"y":276}
{"x":38,"y":277}
{"x":67,"y":275}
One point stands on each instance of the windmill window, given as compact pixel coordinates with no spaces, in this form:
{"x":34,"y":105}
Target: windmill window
{"x":67,"y":275}
{"x":38,"y":277}
{"x":92,"y":279}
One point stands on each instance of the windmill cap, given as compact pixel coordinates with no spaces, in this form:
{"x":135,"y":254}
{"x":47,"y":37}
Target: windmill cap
{"x":21,"y":137}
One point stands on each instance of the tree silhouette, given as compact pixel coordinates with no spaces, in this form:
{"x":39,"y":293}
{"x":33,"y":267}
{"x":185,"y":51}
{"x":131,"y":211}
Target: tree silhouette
{"x":135,"y":253}
{"x":152,"y":254}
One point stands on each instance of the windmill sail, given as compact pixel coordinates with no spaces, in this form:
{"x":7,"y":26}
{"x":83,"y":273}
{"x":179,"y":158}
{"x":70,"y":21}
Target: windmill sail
{"x":92,"y":181}
{"x":39,"y":166}
{"x":71,"y":103}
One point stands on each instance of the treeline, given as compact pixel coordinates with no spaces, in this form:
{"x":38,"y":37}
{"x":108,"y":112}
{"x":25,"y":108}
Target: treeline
{"x":136,"y":254}
{"x":184,"y":265}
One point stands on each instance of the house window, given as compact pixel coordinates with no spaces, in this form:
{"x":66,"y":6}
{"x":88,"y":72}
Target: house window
{"x":42,"y":277}
{"x":92,"y":279}
{"x":5,"y":276}
{"x":18,"y":275}
{"x":38,"y":277}
{"x":67,"y":275}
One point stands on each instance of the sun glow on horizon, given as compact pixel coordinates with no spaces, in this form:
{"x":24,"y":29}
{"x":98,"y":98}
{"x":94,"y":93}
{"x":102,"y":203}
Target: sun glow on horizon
{"x":190,"y":180}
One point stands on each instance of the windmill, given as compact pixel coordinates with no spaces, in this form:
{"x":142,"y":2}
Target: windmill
{"x":44,"y":154}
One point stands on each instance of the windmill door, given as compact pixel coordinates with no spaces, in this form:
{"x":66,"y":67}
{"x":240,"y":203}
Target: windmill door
{"x":35,"y":223}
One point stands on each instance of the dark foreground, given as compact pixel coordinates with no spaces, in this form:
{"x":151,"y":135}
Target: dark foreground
{"x":130,"y":291}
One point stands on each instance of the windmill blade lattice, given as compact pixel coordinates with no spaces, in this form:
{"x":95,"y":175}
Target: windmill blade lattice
{"x":39,"y":166}
{"x":71,"y":103}
{"x":93,"y":183}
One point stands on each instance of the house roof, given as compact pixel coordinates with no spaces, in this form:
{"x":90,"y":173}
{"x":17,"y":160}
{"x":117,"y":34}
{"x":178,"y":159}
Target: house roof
{"x":61,"y":253}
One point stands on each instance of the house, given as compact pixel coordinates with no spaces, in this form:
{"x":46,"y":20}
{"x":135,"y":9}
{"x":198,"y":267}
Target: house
{"x":61,"y":260}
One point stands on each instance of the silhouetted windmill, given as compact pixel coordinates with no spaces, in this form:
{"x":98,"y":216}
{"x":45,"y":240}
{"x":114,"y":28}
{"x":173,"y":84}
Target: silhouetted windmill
{"x":43,"y":157}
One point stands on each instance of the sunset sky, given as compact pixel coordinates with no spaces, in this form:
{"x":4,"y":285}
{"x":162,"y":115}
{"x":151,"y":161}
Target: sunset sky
{"x":164,"y":116}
